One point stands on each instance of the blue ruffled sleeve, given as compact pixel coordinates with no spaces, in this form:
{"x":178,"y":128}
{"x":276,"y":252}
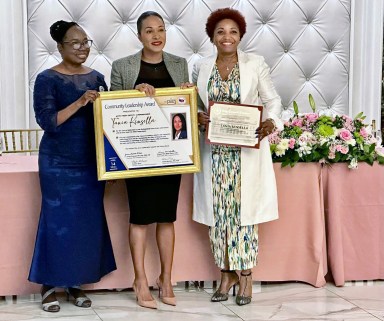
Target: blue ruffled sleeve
{"x":44,"y":103}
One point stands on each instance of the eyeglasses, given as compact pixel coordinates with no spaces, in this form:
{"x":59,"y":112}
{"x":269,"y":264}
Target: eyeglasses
{"x":77,"y":45}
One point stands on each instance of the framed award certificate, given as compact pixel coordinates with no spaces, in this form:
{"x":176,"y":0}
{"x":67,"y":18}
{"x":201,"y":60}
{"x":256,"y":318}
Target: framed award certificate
{"x":233,"y":124}
{"x":140,"y":136}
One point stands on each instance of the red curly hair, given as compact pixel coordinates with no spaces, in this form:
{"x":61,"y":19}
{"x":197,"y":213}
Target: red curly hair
{"x":226,"y":13}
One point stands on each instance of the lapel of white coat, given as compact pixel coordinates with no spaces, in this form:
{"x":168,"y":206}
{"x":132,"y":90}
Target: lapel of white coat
{"x":246,"y":76}
{"x":202,"y":81}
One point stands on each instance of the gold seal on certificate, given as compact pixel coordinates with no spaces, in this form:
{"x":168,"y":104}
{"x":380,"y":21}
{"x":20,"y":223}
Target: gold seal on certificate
{"x":233,"y":124}
{"x":138,"y":135}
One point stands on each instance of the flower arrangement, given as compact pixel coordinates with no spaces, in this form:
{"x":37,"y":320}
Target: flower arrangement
{"x":320,"y":138}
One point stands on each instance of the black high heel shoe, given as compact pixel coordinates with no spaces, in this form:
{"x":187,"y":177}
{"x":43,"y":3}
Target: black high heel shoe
{"x":242,"y":299}
{"x":81,"y":300}
{"x":220,"y":296}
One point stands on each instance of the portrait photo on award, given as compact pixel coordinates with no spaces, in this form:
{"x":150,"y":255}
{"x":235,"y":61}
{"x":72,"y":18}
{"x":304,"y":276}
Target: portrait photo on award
{"x":179,"y":126}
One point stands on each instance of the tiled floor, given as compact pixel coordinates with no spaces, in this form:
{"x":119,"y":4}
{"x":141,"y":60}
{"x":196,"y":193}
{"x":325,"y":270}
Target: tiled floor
{"x":274,"y":301}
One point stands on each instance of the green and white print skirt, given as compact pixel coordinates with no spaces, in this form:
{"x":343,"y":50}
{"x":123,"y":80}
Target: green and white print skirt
{"x":228,"y":236}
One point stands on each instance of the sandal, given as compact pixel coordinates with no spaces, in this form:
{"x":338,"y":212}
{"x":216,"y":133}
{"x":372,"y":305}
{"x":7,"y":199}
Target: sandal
{"x":50,"y":306}
{"x":81,"y":300}
{"x":242,"y":299}
{"x":220,"y":296}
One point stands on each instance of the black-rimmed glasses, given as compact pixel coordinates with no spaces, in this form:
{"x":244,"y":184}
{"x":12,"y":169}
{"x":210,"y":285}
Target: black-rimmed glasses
{"x":77,"y":45}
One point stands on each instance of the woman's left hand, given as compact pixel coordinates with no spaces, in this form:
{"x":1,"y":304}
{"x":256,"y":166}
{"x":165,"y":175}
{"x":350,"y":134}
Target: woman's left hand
{"x":185,"y":85}
{"x":266,"y":128}
{"x":147,"y":89}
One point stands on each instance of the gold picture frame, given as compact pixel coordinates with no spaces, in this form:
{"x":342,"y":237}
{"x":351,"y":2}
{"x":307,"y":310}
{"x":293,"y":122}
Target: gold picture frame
{"x":135,"y":135}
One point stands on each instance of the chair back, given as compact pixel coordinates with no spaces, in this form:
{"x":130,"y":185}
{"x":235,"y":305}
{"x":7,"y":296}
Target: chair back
{"x":20,"y":140}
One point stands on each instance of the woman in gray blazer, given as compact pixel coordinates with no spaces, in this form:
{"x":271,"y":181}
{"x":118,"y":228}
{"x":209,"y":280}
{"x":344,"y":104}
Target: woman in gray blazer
{"x":151,"y":199}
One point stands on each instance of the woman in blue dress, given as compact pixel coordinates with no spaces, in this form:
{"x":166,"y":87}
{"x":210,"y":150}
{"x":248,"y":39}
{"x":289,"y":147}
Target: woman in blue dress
{"x":73,"y":246}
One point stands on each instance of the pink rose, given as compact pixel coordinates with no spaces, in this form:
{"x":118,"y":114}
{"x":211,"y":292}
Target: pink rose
{"x":363,"y":132}
{"x":297,"y":122}
{"x":342,"y":149}
{"x":345,"y":134}
{"x":291,"y":143}
{"x":311,"y":117}
{"x":274,"y":138}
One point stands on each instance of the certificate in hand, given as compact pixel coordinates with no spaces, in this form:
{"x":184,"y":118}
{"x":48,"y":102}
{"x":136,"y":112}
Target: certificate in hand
{"x":233,"y":124}
{"x":140,"y":136}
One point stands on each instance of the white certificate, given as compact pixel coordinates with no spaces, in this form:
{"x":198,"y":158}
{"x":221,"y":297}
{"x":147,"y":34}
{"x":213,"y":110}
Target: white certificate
{"x":144,"y":136}
{"x":233,"y":124}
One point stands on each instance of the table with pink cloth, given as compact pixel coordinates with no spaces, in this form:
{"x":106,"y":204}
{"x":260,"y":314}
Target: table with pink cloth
{"x":354,"y":207}
{"x":292,"y":248}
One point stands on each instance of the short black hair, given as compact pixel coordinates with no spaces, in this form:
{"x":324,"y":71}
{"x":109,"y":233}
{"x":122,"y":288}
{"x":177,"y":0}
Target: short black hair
{"x":144,"y":16}
{"x":225,"y":13}
{"x":60,"y":28}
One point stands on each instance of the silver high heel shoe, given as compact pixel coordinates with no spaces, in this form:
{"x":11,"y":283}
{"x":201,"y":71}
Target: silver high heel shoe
{"x":81,"y":300}
{"x":52,"y":306}
{"x":242,"y":299}
{"x":219,"y":296}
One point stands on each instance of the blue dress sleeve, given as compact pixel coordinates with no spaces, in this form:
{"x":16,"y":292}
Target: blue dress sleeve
{"x":102,"y":82}
{"x":44,"y":103}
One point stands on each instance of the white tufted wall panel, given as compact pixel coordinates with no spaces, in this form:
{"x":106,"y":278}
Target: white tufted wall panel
{"x":305,"y":42}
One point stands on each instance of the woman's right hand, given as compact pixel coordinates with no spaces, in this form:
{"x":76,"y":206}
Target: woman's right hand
{"x":203,"y":118}
{"x":88,"y":96}
{"x":147,"y":89}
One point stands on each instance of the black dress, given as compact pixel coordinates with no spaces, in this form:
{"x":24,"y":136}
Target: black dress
{"x":153,"y":199}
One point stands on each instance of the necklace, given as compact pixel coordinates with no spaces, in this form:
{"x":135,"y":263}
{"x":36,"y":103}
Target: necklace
{"x":226,"y":65}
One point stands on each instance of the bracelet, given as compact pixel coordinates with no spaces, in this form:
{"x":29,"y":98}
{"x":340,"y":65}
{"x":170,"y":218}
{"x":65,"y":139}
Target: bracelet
{"x":274,"y":124}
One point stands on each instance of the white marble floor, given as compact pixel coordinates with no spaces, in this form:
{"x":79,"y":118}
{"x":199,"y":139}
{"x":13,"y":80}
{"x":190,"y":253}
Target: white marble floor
{"x":361,"y":301}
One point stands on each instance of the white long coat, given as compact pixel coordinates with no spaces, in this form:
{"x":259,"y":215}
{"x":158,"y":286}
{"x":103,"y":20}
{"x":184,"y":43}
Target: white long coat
{"x":258,"y":184}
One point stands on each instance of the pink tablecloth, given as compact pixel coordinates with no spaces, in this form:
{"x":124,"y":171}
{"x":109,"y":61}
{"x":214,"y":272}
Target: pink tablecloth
{"x":291,"y":248}
{"x":354,"y":206}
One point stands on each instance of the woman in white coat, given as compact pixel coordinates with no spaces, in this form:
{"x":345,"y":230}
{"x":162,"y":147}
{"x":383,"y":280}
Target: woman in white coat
{"x":236,"y":189}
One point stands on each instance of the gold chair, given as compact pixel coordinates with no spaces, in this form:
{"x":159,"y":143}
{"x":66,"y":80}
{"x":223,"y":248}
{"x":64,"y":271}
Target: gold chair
{"x":21,"y":140}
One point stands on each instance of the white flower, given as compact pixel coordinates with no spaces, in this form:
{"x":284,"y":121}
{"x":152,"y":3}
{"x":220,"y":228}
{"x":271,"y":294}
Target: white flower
{"x":304,"y":150}
{"x":351,"y":142}
{"x":307,"y":137}
{"x":353,"y":164}
{"x":380,"y":150}
{"x":281,"y":147}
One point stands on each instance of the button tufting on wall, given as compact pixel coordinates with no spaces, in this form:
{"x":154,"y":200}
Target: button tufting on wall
{"x":119,"y":39}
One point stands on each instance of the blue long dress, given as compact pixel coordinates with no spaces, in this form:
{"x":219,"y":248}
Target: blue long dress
{"x":73,"y":245}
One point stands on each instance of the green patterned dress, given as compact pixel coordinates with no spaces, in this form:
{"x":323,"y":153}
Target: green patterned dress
{"x":228,"y":236}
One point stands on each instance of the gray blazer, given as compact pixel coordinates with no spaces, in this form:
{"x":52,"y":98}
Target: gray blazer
{"x":126,"y":70}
